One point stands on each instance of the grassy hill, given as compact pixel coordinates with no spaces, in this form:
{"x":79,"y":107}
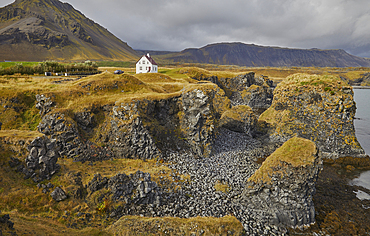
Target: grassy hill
{"x":36,"y":30}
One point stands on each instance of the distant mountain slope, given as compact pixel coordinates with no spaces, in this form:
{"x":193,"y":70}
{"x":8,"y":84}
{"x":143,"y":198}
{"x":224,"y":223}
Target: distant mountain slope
{"x":252,"y":55}
{"x":34,"y":30}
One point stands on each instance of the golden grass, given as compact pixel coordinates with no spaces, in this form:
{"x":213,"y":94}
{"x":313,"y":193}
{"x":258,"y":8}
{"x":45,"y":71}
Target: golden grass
{"x":37,"y":225}
{"x":19,"y":134}
{"x":295,"y":152}
{"x":237,"y":112}
{"x":110,"y":168}
{"x":219,"y":186}
{"x":134,"y":225}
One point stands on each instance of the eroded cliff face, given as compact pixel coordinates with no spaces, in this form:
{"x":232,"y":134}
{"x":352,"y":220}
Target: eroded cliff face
{"x":319,"y":108}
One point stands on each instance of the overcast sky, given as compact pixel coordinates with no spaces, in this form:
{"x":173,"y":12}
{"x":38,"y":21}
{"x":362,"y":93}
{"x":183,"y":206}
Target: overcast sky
{"x":174,"y":25}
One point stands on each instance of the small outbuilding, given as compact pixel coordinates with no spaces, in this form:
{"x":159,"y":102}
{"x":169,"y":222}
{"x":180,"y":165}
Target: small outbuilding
{"x":146,"y":64}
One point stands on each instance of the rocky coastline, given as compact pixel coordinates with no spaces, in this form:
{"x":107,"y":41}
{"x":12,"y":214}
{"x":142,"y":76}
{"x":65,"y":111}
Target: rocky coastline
{"x":214,"y":137}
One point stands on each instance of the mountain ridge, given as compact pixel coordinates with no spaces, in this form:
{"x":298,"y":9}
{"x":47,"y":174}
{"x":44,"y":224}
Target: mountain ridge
{"x":50,"y":29}
{"x":252,"y":55}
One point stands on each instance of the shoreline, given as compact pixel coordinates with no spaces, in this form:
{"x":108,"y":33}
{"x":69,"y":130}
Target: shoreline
{"x":361,"y":87}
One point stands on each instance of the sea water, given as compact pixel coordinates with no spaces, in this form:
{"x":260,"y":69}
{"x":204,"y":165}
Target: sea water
{"x":362,"y":126}
{"x":362,"y":121}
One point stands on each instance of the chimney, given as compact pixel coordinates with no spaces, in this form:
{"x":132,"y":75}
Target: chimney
{"x":148,"y":54}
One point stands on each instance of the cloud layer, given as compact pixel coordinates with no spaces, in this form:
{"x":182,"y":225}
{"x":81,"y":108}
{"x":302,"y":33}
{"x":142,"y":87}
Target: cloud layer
{"x":176,"y":25}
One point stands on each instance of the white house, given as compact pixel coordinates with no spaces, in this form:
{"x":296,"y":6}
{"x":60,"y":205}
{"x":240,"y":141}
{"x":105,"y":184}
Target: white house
{"x":146,"y":64}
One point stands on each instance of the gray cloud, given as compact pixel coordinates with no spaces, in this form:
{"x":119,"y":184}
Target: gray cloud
{"x":176,"y":25}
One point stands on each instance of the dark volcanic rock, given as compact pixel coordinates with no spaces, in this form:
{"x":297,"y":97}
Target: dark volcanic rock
{"x":319,"y":108}
{"x":42,"y":159}
{"x":134,"y":189}
{"x":5,"y":220}
{"x":256,"y":92}
{"x":44,"y":104}
{"x":198,"y":121}
{"x":280,"y":192}
{"x":67,"y":136}
{"x":239,"y":119}
{"x":126,"y":135}
{"x":58,"y":194}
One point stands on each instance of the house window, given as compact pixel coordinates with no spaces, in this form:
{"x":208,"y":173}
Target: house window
{"x":143,"y":62}
{"x":141,"y":68}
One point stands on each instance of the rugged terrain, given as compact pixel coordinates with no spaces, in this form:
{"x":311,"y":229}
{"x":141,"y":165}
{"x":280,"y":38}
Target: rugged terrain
{"x":251,"y":55}
{"x":40,"y":30}
{"x":196,"y":152}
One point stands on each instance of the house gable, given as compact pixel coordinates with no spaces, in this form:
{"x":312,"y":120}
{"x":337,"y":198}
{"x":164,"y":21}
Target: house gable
{"x":146,"y":64}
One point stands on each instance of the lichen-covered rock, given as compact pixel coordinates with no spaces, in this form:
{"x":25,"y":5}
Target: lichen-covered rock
{"x":319,"y":108}
{"x":85,"y":120}
{"x":258,"y":97}
{"x":41,"y":162}
{"x":44,"y":104}
{"x":197,"y":121}
{"x":246,"y":89}
{"x":126,"y":135}
{"x":239,"y":119}
{"x":67,"y":136}
{"x":280,"y":191}
{"x":58,"y":194}
{"x":134,"y":189}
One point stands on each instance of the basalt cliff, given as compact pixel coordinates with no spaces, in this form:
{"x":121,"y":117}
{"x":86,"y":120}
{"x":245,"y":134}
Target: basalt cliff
{"x":196,"y":144}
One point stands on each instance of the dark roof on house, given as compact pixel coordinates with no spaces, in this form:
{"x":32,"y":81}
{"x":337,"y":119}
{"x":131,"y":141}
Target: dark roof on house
{"x":149,"y":58}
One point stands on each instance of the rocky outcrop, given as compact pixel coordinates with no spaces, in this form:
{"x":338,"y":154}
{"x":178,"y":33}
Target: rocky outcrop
{"x":42,"y":159}
{"x":319,"y":108}
{"x":245,"y":89}
{"x":32,"y":30}
{"x":197,"y":121}
{"x":134,"y":189}
{"x":239,"y":119}
{"x":58,"y":194}
{"x":256,"y":92}
{"x":85,"y":120}
{"x":67,"y":136}
{"x":44,"y":104}
{"x":126,"y":135}
{"x":280,"y":192}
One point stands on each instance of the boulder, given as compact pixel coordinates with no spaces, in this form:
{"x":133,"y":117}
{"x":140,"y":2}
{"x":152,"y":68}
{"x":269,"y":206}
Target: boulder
{"x":58,"y":194}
